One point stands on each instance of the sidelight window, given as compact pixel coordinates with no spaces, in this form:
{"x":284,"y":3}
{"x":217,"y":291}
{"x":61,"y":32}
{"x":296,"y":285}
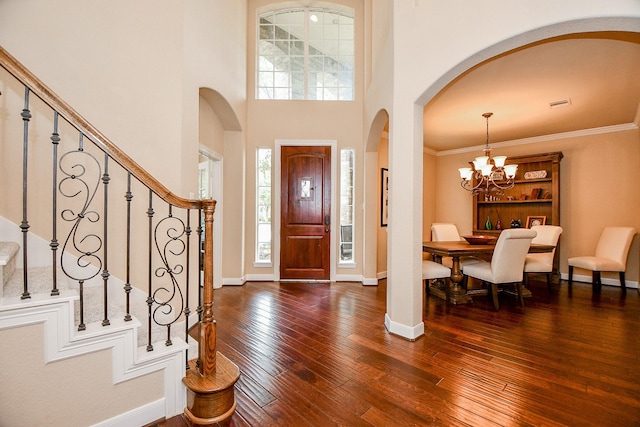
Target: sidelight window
{"x":263,"y":205}
{"x":347,"y":175}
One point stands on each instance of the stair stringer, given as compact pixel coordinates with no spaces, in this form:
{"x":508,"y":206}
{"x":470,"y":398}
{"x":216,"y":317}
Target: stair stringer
{"x":62,"y":341}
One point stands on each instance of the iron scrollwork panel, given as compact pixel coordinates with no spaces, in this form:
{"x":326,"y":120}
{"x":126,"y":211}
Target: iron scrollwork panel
{"x":169,"y":238}
{"x":81,"y":179}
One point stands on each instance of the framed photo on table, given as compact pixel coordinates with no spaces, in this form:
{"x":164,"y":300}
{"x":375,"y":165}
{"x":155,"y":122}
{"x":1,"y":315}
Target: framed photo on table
{"x":536,"y":220}
{"x":384,"y":197}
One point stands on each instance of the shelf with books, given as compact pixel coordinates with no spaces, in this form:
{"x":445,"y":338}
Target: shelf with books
{"x":536,"y":195}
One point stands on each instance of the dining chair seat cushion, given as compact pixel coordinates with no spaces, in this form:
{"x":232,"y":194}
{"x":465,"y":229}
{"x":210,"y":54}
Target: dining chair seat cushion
{"x":538,"y":263}
{"x":434,"y":270}
{"x":480,"y":270}
{"x":595,"y":263}
{"x":465,"y":260}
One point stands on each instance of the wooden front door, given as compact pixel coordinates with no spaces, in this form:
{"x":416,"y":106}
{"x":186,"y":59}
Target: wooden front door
{"x":306,"y":213}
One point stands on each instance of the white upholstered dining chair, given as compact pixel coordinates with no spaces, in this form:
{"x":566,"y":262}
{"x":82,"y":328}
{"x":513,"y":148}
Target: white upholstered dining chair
{"x":447,"y":232}
{"x":542,"y":262}
{"x":507,"y":264}
{"x":611,"y":255}
{"x":432,"y":270}
{"x":444,"y":232}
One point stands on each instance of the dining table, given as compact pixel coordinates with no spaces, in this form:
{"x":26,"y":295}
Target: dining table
{"x":456,"y":294}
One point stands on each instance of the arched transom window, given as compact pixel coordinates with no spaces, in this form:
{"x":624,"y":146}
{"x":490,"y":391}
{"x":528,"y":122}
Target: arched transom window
{"x":305,"y":53}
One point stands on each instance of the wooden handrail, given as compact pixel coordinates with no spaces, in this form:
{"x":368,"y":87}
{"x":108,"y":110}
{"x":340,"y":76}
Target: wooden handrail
{"x":48,"y":96}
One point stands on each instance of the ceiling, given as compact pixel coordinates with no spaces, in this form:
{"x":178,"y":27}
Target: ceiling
{"x":597,"y":73}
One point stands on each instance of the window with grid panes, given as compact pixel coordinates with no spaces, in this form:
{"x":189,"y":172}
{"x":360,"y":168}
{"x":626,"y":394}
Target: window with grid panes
{"x":263,"y":205}
{"x":305,"y":53}
{"x":347,"y":157}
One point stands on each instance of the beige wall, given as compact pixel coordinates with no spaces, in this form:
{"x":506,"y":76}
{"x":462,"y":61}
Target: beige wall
{"x":430,"y":181}
{"x":588,"y":201}
{"x":78,"y":391}
{"x":86,"y":52}
{"x":211,"y":131}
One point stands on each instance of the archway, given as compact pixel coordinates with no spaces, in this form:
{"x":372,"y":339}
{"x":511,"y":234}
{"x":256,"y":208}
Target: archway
{"x":375,"y":254}
{"x":407,"y":296}
{"x":217,"y":121}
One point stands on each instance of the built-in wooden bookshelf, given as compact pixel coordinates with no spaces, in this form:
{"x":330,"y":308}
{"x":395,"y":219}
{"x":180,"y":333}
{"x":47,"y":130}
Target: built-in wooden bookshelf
{"x":536,"y":193}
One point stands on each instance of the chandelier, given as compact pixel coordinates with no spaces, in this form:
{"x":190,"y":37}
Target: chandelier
{"x":491,"y":175}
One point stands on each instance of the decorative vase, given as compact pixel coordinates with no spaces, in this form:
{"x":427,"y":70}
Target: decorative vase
{"x":498,"y":224}
{"x":488,"y":225}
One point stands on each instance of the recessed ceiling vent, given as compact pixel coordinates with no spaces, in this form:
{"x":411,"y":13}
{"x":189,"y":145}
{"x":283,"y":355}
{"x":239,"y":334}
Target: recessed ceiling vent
{"x":560,"y":103}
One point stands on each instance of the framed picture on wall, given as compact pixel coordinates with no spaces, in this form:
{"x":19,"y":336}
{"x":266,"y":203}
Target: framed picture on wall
{"x":384,"y":197}
{"x":536,"y":220}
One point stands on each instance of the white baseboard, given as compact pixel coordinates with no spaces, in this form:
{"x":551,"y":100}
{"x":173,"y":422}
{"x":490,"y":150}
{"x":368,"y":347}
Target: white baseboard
{"x":257,"y":278}
{"x":348,"y":278}
{"x":233,"y":281}
{"x":370,"y":281}
{"x":409,"y":332}
{"x":605,"y":280}
{"x":136,"y":417}
{"x":271,"y":278}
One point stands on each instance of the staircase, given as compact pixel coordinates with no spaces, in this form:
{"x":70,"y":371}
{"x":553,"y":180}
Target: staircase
{"x":8,"y":252}
{"x":59,"y":316}
{"x":100,"y":268}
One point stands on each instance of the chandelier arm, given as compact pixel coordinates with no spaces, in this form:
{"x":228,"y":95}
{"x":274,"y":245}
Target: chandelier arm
{"x":509,"y":184}
{"x":466,"y":185}
{"x":481,"y":182}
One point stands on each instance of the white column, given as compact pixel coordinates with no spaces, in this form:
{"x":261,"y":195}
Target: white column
{"x":404,"y":263}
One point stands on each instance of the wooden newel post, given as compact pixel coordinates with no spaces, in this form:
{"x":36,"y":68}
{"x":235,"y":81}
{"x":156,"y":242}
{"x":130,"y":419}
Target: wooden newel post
{"x":207,"y":337}
{"x":211,"y":377}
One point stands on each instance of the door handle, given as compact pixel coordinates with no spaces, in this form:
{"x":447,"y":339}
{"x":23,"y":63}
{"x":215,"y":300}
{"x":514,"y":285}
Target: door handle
{"x":327,"y":222}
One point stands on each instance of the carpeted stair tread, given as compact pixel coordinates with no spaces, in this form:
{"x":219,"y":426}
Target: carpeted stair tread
{"x":40,"y":282}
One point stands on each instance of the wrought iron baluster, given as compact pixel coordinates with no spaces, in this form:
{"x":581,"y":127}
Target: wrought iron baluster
{"x":55,"y":140}
{"x":105,"y":227}
{"x":187,"y":310}
{"x":75,"y":165}
{"x":127,"y":287}
{"x":24,"y":225}
{"x":150,"y":280}
{"x":201,"y":264}
{"x":81,"y":325}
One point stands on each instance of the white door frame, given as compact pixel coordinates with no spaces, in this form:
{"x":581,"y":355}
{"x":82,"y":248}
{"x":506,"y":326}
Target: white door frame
{"x":214,"y":166}
{"x":277,"y":199}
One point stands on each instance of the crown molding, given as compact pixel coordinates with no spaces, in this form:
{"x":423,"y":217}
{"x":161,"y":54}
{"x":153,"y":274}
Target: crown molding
{"x":541,"y":138}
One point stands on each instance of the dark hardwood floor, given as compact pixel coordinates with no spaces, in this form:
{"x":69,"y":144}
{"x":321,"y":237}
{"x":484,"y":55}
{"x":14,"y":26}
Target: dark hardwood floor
{"x":318,"y":355}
